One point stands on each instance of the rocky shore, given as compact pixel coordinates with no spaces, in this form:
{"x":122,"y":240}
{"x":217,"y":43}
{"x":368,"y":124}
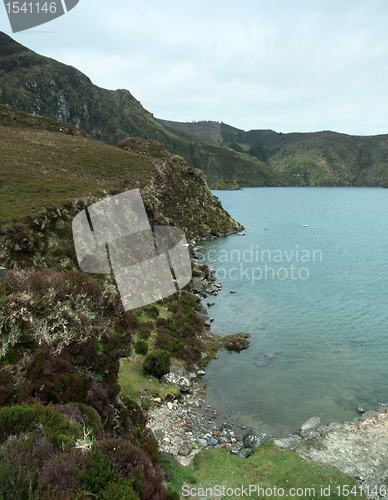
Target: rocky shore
{"x":358,"y":448}
{"x":185,"y":426}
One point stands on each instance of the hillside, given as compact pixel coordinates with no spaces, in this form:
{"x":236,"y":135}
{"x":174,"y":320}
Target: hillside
{"x":45,"y":162}
{"x":320,"y":158}
{"x":36,"y":84}
{"x":66,"y":428}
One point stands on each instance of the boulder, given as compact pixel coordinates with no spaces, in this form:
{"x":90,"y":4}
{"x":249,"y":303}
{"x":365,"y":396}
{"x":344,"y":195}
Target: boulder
{"x":212,"y":442}
{"x":202,"y":442}
{"x":245,"y":452}
{"x":311,"y":424}
{"x":185,"y":448}
{"x":254,"y":438}
{"x":290,"y":442}
{"x":182,"y":383}
{"x":197,"y":285}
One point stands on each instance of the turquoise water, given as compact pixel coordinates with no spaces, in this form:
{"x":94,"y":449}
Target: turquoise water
{"x":315,"y":305}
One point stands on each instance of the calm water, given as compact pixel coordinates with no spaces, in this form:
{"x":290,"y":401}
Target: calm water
{"x":315,"y":305}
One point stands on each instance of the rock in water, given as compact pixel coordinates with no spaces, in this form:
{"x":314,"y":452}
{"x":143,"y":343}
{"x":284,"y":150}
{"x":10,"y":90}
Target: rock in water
{"x":254,"y":438}
{"x":311,"y":424}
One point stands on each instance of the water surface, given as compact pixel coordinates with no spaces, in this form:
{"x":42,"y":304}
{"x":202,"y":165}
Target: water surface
{"x":315,"y":305}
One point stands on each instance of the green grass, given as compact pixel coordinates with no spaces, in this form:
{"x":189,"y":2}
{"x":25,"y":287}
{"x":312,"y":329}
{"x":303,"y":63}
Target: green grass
{"x":134,"y":381}
{"x":268,"y":466}
{"x":41,"y":168}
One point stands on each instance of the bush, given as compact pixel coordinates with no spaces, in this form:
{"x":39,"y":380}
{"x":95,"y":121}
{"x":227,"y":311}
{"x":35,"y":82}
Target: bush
{"x":120,"y":490}
{"x":99,"y":473}
{"x":141,"y":347}
{"x":157,"y":363}
{"x":173,"y":495}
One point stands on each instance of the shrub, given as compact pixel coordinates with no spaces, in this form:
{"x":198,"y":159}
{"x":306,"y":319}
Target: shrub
{"x":141,"y":347}
{"x":16,"y":419}
{"x":120,"y":490}
{"x":173,"y":495}
{"x":157,"y":363}
{"x":152,"y":311}
{"x":99,"y":472}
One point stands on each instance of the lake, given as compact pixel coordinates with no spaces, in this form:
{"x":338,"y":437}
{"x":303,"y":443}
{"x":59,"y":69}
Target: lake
{"x":310,"y":280}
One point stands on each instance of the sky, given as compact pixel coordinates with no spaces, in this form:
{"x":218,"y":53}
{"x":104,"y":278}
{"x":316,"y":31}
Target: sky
{"x":289,"y":66}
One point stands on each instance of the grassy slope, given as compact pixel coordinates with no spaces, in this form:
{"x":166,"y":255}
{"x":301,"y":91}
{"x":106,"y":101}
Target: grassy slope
{"x":268,"y":466}
{"x":37,"y":84}
{"x":45,"y":162}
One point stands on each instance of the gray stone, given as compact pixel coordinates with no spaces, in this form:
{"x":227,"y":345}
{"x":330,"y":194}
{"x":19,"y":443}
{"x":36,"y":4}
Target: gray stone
{"x":212,"y":442}
{"x":311,"y":424}
{"x":185,"y":448}
{"x":254,"y":438}
{"x":197,"y":285}
{"x":182,"y":383}
{"x":290,"y":442}
{"x":212,"y":289}
{"x":202,"y":442}
{"x":245,"y":452}
{"x":200,"y":373}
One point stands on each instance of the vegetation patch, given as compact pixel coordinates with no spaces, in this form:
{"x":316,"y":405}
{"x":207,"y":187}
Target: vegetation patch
{"x":134,"y":382}
{"x":268,"y":466}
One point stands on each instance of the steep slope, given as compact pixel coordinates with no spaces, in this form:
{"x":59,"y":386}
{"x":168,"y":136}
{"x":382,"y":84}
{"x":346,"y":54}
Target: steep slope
{"x":40,"y":85}
{"x":64,"y":419}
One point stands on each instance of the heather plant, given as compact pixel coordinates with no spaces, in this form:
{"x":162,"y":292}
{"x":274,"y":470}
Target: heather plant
{"x":58,"y":309}
{"x":141,"y":347}
{"x":157,"y":363}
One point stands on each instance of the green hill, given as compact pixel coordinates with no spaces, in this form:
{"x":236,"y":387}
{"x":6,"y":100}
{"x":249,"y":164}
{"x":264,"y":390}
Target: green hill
{"x":36,"y":84}
{"x":320,"y":158}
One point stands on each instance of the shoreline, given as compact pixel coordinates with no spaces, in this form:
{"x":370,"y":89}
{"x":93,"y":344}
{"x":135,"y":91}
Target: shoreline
{"x":186,"y":426}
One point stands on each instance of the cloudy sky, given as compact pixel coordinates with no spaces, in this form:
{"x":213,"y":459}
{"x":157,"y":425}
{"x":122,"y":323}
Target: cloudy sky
{"x":300,"y":65}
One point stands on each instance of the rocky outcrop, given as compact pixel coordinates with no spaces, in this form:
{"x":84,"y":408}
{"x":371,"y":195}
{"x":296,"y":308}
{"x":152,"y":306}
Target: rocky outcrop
{"x":254,"y":438}
{"x":181,"y":382}
{"x":358,"y":448}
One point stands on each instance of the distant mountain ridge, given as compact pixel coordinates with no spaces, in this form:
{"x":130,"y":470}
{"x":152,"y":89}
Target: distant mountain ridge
{"x":228,"y":156}
{"x":316,"y":158}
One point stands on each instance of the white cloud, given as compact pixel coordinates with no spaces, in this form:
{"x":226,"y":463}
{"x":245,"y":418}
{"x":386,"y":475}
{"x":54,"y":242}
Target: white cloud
{"x":290,"y":66}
